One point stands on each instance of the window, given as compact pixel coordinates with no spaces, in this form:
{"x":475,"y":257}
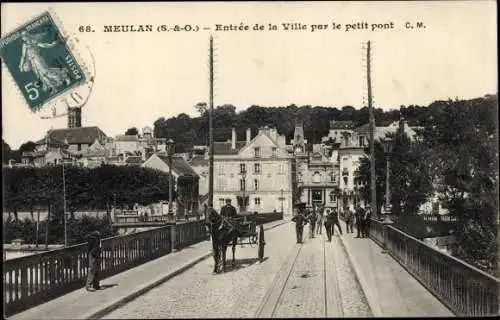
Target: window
{"x":282,"y":168}
{"x":345,"y":180}
{"x":256,"y":184}
{"x":256,"y":152}
{"x":361,"y":141}
{"x":316,"y":177}
{"x":333,"y":197}
{"x":345,"y":173}
{"x":256,"y":168}
{"x":257,"y":202}
{"x":79,"y":147}
{"x":242,"y":184}
{"x":299,"y":178}
{"x":221,"y":168}
{"x":222,"y":202}
{"x":243,"y":168}
{"x":273,"y":150}
{"x":332,"y":177}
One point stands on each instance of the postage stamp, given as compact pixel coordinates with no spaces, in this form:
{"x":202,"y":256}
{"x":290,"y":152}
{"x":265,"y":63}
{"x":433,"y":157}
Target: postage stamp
{"x":40,"y":61}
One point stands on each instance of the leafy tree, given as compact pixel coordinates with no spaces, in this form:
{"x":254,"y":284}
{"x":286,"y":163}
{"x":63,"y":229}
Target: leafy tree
{"x":6,"y":152}
{"x":132,"y":131}
{"x":462,"y":159}
{"x":27,"y":146}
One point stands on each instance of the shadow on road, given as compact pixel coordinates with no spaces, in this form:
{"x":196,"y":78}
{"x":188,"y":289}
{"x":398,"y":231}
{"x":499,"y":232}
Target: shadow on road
{"x":242,"y":263}
{"x":107,"y":286}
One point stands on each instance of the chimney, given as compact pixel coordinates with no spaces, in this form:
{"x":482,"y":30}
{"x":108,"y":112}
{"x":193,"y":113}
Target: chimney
{"x":233,"y":139}
{"x":249,"y":135}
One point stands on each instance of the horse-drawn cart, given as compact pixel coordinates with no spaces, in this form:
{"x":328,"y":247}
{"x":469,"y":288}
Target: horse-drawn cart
{"x":246,"y":226}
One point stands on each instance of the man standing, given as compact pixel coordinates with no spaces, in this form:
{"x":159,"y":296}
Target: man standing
{"x":329,"y":224}
{"x":335,"y":221}
{"x":228,"y":210}
{"x":300,"y":220}
{"x":349,"y":220}
{"x":366,"y":221}
{"x":94,"y":258}
{"x":319,"y":223}
{"x":359,"y":220}
{"x":312,"y":220}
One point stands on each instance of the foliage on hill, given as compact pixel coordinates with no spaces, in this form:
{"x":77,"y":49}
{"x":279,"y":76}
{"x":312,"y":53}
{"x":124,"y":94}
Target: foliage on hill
{"x":187,"y":131}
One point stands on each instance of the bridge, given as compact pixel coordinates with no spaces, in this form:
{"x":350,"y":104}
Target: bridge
{"x":166,"y":272}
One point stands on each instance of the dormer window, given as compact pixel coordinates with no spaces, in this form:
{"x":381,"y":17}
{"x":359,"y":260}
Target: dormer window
{"x":256,"y":152}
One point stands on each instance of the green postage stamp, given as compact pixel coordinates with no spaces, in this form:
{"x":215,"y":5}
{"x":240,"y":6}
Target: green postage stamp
{"x":39,"y":59}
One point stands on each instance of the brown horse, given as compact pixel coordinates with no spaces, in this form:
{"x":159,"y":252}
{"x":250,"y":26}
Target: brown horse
{"x":223,"y":232}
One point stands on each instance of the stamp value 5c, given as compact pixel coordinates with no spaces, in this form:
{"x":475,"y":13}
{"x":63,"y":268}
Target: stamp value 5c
{"x":40,"y":61}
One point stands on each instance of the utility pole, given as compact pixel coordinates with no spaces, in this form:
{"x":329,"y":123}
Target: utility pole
{"x":372,"y":132}
{"x":211,"y":128}
{"x":64,"y":205}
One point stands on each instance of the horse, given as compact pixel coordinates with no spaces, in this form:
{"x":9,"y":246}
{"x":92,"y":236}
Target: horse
{"x":223,"y":232}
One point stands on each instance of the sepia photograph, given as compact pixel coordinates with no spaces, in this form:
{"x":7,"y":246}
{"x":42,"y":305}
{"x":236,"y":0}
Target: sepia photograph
{"x":288,"y":159}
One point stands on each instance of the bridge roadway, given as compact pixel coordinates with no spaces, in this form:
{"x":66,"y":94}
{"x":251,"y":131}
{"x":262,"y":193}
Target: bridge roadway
{"x":347,"y":277}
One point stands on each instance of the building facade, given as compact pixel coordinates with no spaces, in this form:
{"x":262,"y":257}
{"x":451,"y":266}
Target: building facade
{"x":255,"y":174}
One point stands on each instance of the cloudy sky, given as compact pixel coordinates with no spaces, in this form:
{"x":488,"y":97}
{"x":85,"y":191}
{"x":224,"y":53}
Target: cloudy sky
{"x":143,"y":76}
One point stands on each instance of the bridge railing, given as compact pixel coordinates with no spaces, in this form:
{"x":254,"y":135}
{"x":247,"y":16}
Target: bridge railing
{"x":464,"y":289}
{"x":34,"y":279}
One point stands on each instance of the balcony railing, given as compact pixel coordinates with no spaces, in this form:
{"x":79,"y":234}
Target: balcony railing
{"x":464,"y":289}
{"x":37,"y":278}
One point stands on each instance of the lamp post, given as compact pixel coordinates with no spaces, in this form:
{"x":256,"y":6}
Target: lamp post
{"x":170,"y":144}
{"x":387,"y":143}
{"x":282,"y":199}
{"x":244,"y":176}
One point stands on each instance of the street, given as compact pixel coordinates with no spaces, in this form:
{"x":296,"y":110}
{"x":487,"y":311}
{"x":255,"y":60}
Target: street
{"x":309,"y":280}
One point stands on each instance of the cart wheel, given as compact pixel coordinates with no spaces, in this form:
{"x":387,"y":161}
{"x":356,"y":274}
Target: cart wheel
{"x":253,"y":238}
{"x":262,"y":243}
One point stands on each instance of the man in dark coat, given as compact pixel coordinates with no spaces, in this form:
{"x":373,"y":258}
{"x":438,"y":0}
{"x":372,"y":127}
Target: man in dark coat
{"x":335,"y":220}
{"x":228,"y":210}
{"x":366,"y":221}
{"x":329,"y":224}
{"x":360,"y":214}
{"x":94,"y":256}
{"x":300,"y":220}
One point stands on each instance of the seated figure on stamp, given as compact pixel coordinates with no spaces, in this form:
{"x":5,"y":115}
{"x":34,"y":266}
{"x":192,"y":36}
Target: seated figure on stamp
{"x":31,"y":60}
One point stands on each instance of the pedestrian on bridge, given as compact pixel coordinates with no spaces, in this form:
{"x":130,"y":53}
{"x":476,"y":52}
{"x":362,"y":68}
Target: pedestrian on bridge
{"x":366,"y":221}
{"x":300,"y":220}
{"x":329,"y":224}
{"x":94,"y":259}
{"x":335,"y":221}
{"x":349,"y":220}
{"x":321,"y":219}
{"x":312,"y":223}
{"x":360,"y":213}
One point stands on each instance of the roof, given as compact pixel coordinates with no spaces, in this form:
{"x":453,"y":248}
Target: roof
{"x":180,"y":165}
{"x":342,"y":124}
{"x":80,"y":135}
{"x":123,"y":137}
{"x":225,"y":147}
{"x":134,"y":160}
{"x":199,"y":161}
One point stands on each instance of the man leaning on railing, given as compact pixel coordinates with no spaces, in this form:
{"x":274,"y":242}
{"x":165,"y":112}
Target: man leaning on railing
{"x":94,"y":256}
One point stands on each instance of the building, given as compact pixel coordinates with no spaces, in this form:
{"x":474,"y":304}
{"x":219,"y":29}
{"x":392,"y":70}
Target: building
{"x":362,"y":133}
{"x":144,"y":145}
{"x":255,"y":174}
{"x":200,"y":166}
{"x":78,"y":139}
{"x":349,"y":156}
{"x":337,"y":129}
{"x":185,"y":180}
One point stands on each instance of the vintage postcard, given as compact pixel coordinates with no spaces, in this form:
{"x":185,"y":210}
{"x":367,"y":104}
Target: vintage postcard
{"x":250,"y":159}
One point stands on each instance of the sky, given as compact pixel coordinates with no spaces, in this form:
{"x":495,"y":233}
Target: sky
{"x":140,"y":77}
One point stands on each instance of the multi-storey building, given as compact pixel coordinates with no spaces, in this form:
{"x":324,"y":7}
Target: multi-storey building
{"x":255,"y":174}
{"x":337,"y":130}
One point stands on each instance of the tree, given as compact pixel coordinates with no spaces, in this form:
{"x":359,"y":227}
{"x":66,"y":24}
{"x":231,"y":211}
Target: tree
{"x":462,"y":158}
{"x":201,"y":107}
{"x":28,"y":146}
{"x":132,"y":131}
{"x":6,"y":152}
